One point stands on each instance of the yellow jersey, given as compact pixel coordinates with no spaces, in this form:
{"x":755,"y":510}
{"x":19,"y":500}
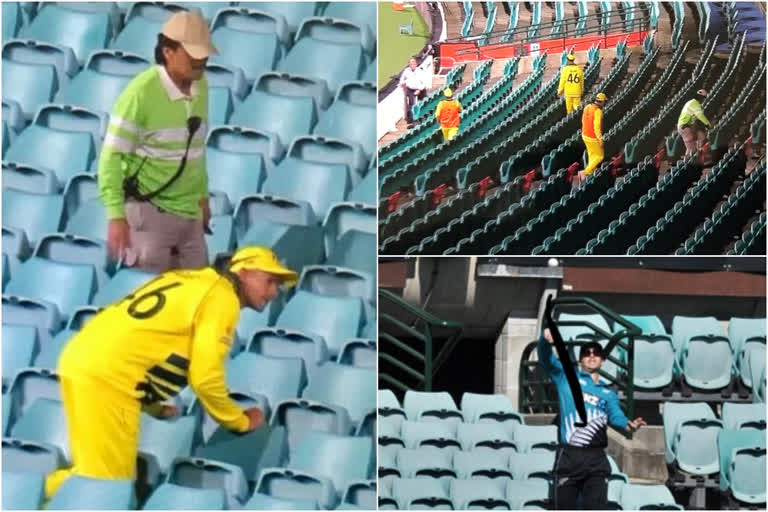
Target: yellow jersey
{"x":177,"y":328}
{"x":571,"y":81}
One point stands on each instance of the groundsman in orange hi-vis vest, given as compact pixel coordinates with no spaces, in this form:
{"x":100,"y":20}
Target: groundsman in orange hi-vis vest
{"x":571,"y":84}
{"x":592,"y":134}
{"x":447,"y":114}
{"x":142,"y":350}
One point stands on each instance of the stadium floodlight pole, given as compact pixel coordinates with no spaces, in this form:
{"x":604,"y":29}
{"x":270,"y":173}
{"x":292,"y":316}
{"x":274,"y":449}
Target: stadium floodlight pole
{"x":565,"y":360}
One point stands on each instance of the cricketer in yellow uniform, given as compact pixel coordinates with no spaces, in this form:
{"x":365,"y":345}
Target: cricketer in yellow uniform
{"x":592,"y":134}
{"x":571,"y":84}
{"x":145,"y":348}
{"x":447,"y":114}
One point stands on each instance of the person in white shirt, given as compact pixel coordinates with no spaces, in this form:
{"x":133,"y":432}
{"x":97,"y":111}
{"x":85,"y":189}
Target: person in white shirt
{"x":414,"y":83}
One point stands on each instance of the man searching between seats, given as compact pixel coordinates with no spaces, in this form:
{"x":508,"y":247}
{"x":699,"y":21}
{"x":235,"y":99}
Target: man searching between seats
{"x":152,"y":176}
{"x":142,"y":350}
{"x":581,"y":466}
{"x":691,"y":122}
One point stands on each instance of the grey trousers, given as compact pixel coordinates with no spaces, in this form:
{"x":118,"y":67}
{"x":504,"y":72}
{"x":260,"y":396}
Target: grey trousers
{"x":163,"y":241}
{"x":690,"y":138}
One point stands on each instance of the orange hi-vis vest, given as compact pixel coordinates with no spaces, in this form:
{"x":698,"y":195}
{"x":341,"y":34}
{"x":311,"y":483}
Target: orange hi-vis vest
{"x":592,"y":122}
{"x":448,"y":113}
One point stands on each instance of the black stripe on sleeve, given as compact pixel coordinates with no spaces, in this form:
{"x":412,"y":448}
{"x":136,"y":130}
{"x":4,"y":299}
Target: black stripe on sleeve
{"x":168,"y":376}
{"x":179,"y":362}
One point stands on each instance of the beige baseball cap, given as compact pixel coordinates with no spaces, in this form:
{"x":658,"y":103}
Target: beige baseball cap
{"x":191,"y":30}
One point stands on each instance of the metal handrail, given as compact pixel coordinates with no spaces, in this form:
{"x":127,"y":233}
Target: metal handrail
{"x":426,"y":364}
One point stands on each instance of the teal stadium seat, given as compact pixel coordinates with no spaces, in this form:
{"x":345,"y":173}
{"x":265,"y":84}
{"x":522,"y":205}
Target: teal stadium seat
{"x":21,"y":455}
{"x":361,"y":353}
{"x":235,"y":30}
{"x":477,"y":494}
{"x":359,"y":496}
{"x":200,"y":473}
{"x":747,"y":337}
{"x":703,"y":350}
{"x":654,"y":354}
{"x":222,"y":240}
{"x":647,"y":497}
{"x":741,"y":453}
{"x":82,"y":31}
{"x":738,"y":416}
{"x":29,"y":85}
{"x":363,"y":14}
{"x":355,"y":249}
{"x":325,"y":48}
{"x":482,"y":408}
{"x":527,"y":465}
{"x":12,"y":21}
{"x":261,"y":501}
{"x":176,"y":497}
{"x":441,"y":434}
{"x":48,"y":356}
{"x":44,"y":422}
{"x":539,"y":438}
{"x":690,"y":434}
{"x":365,"y":191}
{"x":352,"y":117}
{"x":425,"y":461}
{"x":20,"y":346}
{"x":143,"y":18}
{"x":485,"y":437}
{"x":21,"y":490}
{"x":83,"y":493}
{"x":273,"y":378}
{"x":235,"y":174}
{"x":34,"y":214}
{"x":65,"y":248}
{"x":293,"y":12}
{"x":430,"y":406}
{"x":335,"y":281}
{"x":166,"y":439}
{"x":520,"y":492}
{"x":413,"y":493}
{"x":344,"y":217}
{"x":28,"y":179}
{"x":482,"y":464}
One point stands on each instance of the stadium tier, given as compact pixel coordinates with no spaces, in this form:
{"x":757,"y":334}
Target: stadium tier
{"x":506,"y":184}
{"x":291,"y":165}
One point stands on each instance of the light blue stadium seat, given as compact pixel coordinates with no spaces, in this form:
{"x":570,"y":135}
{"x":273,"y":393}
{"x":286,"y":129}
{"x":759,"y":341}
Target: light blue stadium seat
{"x":44,"y":422}
{"x":16,"y":246}
{"x":209,"y":426}
{"x":371,"y":72}
{"x":29,"y":85}
{"x":319,"y":149}
{"x":425,"y":461}
{"x":365,"y":191}
{"x":335,"y":319}
{"x":175,"y":497}
{"x":318,"y":184}
{"x":728,"y":442}
{"x":485,"y":437}
{"x":20,"y":346}
{"x":335,"y":281}
{"x":221,"y":76}
{"x":440,"y":434}
{"x":166,"y":439}
{"x":742,"y":416}
{"x":288,"y":226}
{"x":209,"y":474}
{"x":75,"y":284}
{"x":21,"y":490}
{"x":352,"y":117}
{"x":12,"y":21}
{"x":649,"y":324}
{"x":636,"y":496}
{"x":528,"y":465}
{"x":23,"y":311}
{"x":756,"y":368}
{"x":29,"y":179}
{"x":747,"y":473}
{"x":361,"y":353}
{"x":690,"y":432}
{"x":388,"y":404}
{"x":284,"y":115}
{"x":355,"y":249}
{"x":325,"y":49}
{"x":83,"y":493}
{"x":60,"y":139}
{"x":574,"y":332}
{"x":29,"y":385}
{"x":482,"y":408}
{"x":83,"y":32}
{"x":103,"y":78}
{"x":293,"y":12}
{"x":110,"y":8}
{"x":275,"y":379}
{"x":430,"y":406}
{"x":703,"y":350}
{"x":261,"y":501}
{"x":35,"y":214}
{"x":78,"y":190}
{"x":282,"y":343}
{"x":478,"y":494}
{"x":122,"y":283}
{"x":251,"y":320}
{"x":529,"y":438}
{"x":89,"y":221}
{"x":21,"y":455}
{"x":13,"y":119}
{"x":747,"y":335}
{"x":242,"y":140}
{"x":237,"y":174}
{"x":362,"y":14}
{"x":221,"y":104}
{"x":321,"y":465}
{"x":41,"y":53}
{"x":482,"y":464}
{"x":409,"y":493}
{"x":344,"y":217}
{"x":302,"y":86}
{"x":133,"y":37}
{"x":223,"y":238}
{"x":654,"y":361}
{"x":74,"y":249}
{"x":326,"y":404}
{"x":359,"y":496}
{"x":520,"y":492}
{"x":234,"y":31}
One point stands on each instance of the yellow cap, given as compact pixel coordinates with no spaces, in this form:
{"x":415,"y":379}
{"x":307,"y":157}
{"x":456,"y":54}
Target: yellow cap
{"x":191,"y":30}
{"x":571,"y":57}
{"x":601,"y":97}
{"x":448,"y":92}
{"x":264,"y":259}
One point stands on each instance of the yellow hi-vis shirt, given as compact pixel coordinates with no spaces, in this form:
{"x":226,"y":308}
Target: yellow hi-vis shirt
{"x":571,"y":81}
{"x":145,"y":347}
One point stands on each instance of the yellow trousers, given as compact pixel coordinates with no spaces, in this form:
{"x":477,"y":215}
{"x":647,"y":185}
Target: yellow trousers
{"x":103,"y":429}
{"x":572,"y":103}
{"x":449,"y":133}
{"x":594,"y":153}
